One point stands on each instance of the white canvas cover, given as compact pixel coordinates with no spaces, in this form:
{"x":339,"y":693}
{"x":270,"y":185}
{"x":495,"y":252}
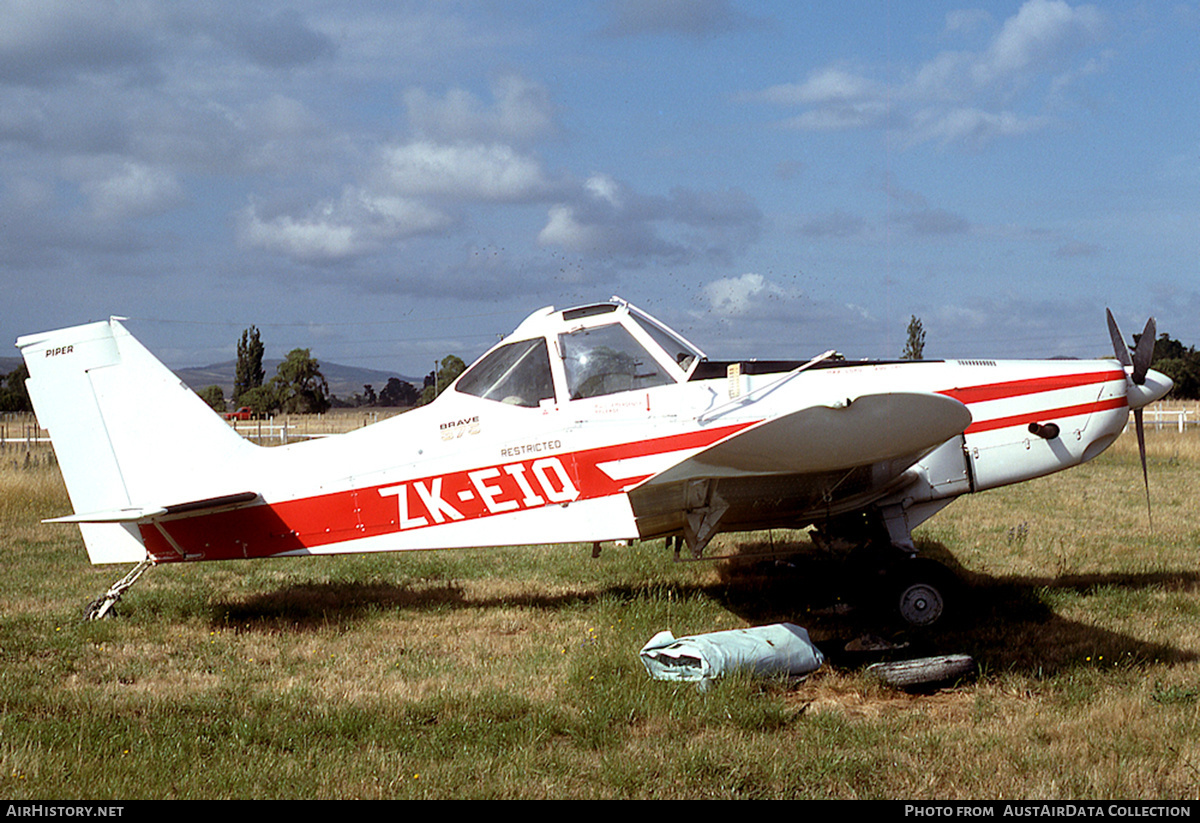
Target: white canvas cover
{"x":780,"y":648}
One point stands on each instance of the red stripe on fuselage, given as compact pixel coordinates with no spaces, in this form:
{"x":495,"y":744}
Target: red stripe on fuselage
{"x":1045,"y":415}
{"x":412,"y":503}
{"x":1036,"y":385}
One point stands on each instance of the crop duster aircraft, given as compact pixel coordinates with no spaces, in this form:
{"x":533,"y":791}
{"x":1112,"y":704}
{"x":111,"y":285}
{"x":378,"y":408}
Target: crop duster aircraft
{"x":595,"y":423}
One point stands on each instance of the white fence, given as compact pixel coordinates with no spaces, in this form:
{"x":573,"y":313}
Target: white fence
{"x":264,"y":431}
{"x":20,"y":429}
{"x":1179,"y":418}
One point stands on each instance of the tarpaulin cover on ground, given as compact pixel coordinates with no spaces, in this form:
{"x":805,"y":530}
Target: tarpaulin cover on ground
{"x":781,"y":648}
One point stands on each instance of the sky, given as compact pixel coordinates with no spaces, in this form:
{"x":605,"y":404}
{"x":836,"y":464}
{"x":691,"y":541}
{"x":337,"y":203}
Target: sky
{"x":386,"y":183}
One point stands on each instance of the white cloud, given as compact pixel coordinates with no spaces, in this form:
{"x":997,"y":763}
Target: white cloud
{"x":605,"y":217}
{"x":359,"y":223}
{"x":971,"y":126}
{"x":133,"y":190}
{"x":966,"y":97}
{"x":603,"y":187}
{"x":739,"y":295}
{"x":1041,"y":32}
{"x":305,"y":239}
{"x":822,"y":86}
{"x":860,"y":115}
{"x":564,"y":229}
{"x":522,"y":112}
{"x":601,"y":231}
{"x":470,"y":171}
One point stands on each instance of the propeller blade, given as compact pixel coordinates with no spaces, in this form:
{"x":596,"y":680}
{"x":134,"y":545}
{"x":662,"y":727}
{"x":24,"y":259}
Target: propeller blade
{"x":1144,"y":353}
{"x":1139,"y":365}
{"x":1119,"y":347}
{"x":1141,"y":438}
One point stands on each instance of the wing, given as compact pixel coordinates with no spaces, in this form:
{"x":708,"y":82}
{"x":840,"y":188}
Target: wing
{"x":866,"y":430}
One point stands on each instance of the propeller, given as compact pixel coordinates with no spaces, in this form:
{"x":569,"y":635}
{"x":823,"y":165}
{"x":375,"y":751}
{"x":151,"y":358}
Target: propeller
{"x":1139,"y":366}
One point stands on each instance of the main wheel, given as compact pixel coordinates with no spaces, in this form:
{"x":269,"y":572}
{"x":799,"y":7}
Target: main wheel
{"x":921,"y":590}
{"x":921,"y":604}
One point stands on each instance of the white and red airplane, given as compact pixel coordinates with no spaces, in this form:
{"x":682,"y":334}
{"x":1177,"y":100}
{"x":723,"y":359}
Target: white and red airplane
{"x":589,"y":424}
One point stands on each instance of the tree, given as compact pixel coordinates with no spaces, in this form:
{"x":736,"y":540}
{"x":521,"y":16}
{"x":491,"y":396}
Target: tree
{"x":249,"y":371}
{"x":1180,"y":364}
{"x":13,"y":395}
{"x":369,"y":398}
{"x":914,"y":349}
{"x":214,"y":396}
{"x":399,"y":392}
{"x":437,"y":381}
{"x":299,"y":385}
{"x":262,"y":400}
{"x":1185,"y":373}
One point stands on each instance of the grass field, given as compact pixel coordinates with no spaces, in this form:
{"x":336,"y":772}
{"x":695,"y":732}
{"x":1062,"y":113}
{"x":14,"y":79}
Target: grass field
{"x":513,"y":673}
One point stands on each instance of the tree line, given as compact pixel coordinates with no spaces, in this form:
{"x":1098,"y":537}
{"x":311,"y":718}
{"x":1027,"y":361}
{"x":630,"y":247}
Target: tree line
{"x":299,"y":387}
{"x":1172,"y":358}
{"x":1178,"y":363}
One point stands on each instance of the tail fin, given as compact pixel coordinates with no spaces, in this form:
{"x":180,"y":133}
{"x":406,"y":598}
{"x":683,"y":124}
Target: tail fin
{"x":129,"y":436}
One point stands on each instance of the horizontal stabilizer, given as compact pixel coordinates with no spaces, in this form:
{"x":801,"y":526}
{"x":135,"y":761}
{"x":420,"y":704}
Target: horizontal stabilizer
{"x":129,"y":515}
{"x":862,"y":431}
{"x":132,"y":514}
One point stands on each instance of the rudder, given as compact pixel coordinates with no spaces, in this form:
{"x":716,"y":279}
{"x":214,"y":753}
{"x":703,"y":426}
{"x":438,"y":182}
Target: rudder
{"x":128,"y":434}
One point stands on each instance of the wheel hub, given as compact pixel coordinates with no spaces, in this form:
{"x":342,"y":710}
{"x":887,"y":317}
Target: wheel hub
{"x":921,"y":604}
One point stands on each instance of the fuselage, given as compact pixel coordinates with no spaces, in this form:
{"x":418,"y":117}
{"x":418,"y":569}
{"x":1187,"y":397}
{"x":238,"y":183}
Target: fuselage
{"x":587,"y":424}
{"x":482,"y":466}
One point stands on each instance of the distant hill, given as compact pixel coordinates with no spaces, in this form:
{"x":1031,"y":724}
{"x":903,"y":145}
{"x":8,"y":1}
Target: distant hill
{"x":344,"y":381}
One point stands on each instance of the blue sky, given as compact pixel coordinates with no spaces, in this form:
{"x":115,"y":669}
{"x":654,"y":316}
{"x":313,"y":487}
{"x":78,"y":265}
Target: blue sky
{"x":389,"y":182}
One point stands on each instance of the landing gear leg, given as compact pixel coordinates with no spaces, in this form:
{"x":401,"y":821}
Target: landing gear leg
{"x":102,"y":605}
{"x":918,"y":587}
{"x":885,"y":568}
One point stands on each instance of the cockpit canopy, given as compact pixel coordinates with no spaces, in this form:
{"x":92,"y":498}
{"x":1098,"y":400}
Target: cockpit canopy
{"x":588,"y":351}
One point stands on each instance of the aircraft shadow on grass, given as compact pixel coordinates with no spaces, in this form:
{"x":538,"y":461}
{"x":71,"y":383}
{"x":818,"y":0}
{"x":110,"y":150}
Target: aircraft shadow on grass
{"x":1005,"y":623}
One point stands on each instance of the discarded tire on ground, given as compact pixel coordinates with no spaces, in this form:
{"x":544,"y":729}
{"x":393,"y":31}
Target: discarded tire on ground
{"x":924,"y":671}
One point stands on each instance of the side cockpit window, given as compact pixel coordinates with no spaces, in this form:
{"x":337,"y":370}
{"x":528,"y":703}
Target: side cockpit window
{"x":517,"y":374}
{"x":606,"y":360}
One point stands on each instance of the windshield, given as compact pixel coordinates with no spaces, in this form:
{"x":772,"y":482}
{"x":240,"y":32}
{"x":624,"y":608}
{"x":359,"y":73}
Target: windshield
{"x":606,"y":360}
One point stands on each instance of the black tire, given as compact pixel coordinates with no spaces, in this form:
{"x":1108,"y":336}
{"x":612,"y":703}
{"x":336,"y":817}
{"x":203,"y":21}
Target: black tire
{"x":921,"y":593}
{"x":924,"y":671}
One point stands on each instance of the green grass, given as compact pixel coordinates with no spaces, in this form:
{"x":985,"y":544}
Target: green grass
{"x":513,"y":673}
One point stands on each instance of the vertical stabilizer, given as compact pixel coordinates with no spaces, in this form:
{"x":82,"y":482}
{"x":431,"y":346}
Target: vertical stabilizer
{"x":128,"y":434}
